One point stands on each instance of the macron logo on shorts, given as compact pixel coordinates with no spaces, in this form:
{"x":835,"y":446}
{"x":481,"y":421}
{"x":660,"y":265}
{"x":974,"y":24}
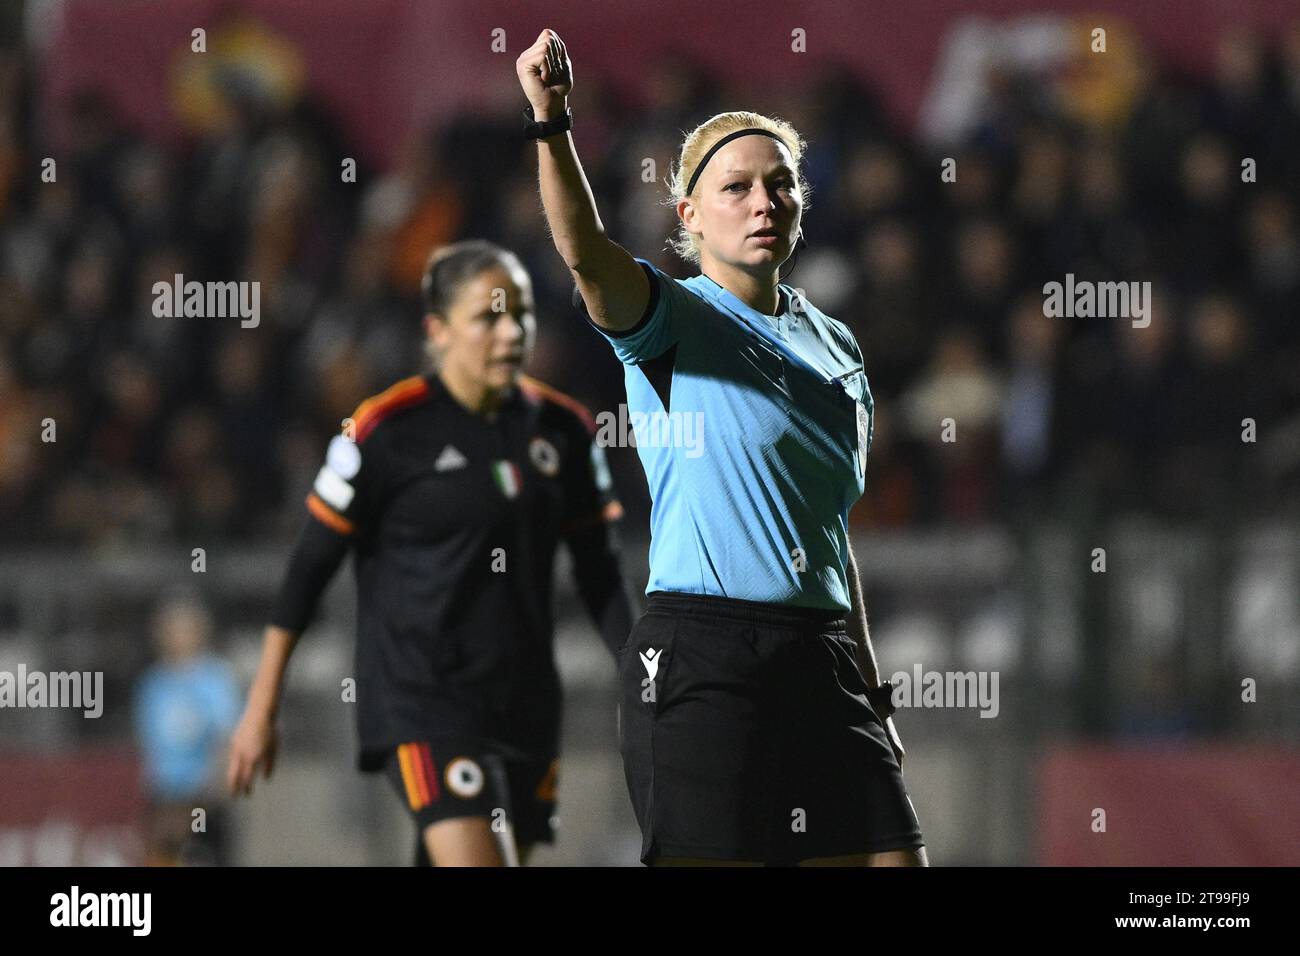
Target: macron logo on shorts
{"x":650,"y":658}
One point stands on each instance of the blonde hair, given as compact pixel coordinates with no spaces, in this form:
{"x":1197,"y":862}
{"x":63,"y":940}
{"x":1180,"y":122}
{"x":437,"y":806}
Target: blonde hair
{"x":700,"y":140}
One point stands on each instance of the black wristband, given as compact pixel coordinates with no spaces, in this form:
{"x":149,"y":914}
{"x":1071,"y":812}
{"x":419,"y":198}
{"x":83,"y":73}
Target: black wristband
{"x":558,"y":124}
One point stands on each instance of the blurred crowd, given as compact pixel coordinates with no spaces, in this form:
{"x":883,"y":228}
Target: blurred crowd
{"x":174,"y":427}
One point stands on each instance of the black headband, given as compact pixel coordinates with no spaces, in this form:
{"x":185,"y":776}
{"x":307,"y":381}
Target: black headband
{"x":690,"y":188}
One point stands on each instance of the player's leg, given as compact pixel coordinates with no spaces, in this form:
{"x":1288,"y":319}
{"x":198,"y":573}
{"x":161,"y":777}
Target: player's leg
{"x":424,"y":857}
{"x":914,"y":856}
{"x":447,"y":791}
{"x":481,"y":840}
{"x":462,"y":841}
{"x":698,"y":861}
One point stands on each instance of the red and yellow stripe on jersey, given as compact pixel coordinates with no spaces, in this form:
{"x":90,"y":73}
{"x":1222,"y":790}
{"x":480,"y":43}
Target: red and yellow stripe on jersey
{"x":368,"y":415}
{"x":539,"y":391}
{"x":419,"y":776}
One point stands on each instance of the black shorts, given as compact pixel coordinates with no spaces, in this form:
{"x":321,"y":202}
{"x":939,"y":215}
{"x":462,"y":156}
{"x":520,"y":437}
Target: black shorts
{"x":746,"y":735}
{"x":443,"y":778}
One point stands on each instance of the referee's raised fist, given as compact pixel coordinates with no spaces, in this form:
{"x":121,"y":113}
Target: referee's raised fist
{"x":546,"y":74}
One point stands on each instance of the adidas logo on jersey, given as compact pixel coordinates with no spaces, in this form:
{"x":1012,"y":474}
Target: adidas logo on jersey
{"x":450,"y":459}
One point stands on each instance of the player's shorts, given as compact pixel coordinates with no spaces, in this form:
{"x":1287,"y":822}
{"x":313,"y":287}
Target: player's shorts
{"x":746,"y":735}
{"x":443,"y":778}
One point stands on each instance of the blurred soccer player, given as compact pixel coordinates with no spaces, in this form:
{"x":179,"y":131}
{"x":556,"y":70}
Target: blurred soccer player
{"x":754,"y":728}
{"x":453,"y":489}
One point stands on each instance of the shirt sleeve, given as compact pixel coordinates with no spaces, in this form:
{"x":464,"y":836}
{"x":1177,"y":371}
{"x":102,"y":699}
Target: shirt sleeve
{"x":657,"y":330}
{"x":316,"y":557}
{"x":340,"y":505}
{"x":344,"y":493}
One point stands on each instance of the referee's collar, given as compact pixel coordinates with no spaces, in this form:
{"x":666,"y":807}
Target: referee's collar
{"x":736,"y":303}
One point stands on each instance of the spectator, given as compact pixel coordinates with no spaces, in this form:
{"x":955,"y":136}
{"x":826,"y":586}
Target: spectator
{"x":185,"y":708}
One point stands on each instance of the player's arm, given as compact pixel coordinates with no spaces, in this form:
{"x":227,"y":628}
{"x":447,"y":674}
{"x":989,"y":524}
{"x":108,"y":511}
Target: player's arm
{"x":600,"y":581}
{"x":857,"y":623}
{"x":340,"y":498}
{"x":254,"y":742}
{"x":591,"y":515}
{"x":866,"y":655}
{"x":316,"y":557}
{"x":614,"y":288}
{"x":593,"y":543}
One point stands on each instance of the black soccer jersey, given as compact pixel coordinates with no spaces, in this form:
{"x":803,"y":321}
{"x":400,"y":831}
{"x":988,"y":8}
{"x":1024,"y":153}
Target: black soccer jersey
{"x":454,"y":522}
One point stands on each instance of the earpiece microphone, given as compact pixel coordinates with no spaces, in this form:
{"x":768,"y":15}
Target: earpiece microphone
{"x":799,"y":243}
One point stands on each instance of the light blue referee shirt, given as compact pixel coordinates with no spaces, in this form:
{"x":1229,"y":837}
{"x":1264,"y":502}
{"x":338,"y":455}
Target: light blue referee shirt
{"x":754,"y":432}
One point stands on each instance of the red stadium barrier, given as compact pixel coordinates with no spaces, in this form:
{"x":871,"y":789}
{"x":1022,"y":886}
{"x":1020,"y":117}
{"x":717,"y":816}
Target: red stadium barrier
{"x":72,"y":809}
{"x":1170,"y":806}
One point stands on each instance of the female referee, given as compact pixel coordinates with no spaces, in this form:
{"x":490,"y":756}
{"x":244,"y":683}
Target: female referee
{"x":452,"y":489}
{"x":751,"y":721}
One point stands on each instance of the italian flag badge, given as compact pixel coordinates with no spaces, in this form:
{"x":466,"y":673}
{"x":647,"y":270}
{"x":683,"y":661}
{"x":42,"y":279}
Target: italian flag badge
{"x":508,"y":478}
